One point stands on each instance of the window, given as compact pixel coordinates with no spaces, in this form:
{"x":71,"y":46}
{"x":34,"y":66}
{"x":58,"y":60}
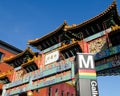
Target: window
{"x":56,"y":92}
{"x":62,"y":93}
{"x":68,"y":94}
{"x":72,"y":94}
{"x":50,"y":91}
{"x":37,"y":91}
{"x":114,"y":38}
{"x":1,"y":55}
{"x":16,"y":95}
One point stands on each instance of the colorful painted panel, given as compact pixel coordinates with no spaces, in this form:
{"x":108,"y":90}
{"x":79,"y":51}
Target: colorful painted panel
{"x":97,"y":45}
{"x":38,"y":74}
{"x":60,"y":77}
{"x":110,"y":62}
{"x":19,"y":75}
{"x":108,"y":52}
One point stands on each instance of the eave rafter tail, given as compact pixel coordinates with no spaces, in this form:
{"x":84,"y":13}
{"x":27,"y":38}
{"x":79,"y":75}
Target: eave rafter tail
{"x":28,"y":63}
{"x":3,"y":76}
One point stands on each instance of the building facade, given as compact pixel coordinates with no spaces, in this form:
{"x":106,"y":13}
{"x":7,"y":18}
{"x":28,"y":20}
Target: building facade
{"x":36,"y":74}
{"x":6,"y":51}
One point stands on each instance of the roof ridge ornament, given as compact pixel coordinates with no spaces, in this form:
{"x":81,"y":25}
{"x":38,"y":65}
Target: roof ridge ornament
{"x":68,"y":26}
{"x":116,"y":27}
{"x":114,"y":1}
{"x":65,"y":22}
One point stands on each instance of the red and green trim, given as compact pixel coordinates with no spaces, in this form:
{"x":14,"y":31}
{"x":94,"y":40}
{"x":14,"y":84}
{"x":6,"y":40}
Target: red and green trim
{"x":88,"y":74}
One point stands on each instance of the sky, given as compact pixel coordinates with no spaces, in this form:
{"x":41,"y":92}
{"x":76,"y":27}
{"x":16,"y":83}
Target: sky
{"x":23,"y":20}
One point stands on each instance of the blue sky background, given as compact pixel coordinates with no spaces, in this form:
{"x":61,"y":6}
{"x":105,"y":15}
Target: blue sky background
{"x":23,"y":20}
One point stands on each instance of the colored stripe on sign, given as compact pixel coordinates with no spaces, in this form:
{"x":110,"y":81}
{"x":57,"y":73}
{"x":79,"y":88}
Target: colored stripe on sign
{"x":87,"y":71}
{"x":87,"y":77}
{"x":87,"y":74}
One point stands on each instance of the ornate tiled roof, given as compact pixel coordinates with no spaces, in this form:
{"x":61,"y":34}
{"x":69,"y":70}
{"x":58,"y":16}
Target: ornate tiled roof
{"x":19,"y":55}
{"x":111,"y":7}
{"x":48,"y":35}
{"x":66,"y":27}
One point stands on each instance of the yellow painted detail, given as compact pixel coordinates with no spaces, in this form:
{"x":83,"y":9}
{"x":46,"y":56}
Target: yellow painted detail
{"x":116,"y":27}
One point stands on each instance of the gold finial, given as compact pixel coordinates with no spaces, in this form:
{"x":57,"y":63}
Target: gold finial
{"x":114,"y":1}
{"x":65,"y":22}
{"x":73,"y":40}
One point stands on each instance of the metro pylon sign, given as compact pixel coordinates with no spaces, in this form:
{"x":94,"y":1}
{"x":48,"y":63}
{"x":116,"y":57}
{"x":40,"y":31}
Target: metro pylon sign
{"x":85,"y":75}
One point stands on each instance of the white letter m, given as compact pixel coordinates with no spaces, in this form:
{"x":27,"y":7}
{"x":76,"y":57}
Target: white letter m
{"x":86,"y":62}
